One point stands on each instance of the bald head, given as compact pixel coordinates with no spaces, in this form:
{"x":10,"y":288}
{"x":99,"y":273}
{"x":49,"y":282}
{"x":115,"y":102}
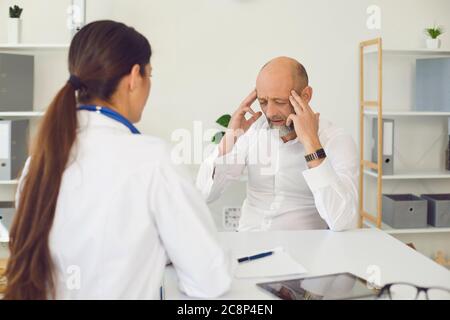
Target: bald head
{"x":289,"y":69}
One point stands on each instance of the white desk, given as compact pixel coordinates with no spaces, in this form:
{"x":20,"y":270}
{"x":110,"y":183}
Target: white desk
{"x":325,"y":252}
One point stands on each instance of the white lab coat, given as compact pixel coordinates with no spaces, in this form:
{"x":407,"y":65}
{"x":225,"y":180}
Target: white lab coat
{"x":123,"y":211}
{"x":282,"y":192}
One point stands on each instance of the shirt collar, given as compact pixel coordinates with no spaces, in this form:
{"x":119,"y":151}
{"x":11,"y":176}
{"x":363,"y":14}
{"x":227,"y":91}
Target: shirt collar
{"x":89,"y":119}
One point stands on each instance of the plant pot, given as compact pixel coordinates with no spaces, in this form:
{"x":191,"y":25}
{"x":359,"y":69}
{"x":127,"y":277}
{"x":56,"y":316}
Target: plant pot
{"x":14,"y":30}
{"x":433,"y":43}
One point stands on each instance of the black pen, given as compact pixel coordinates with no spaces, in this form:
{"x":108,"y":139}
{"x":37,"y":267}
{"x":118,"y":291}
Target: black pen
{"x":256,"y":256}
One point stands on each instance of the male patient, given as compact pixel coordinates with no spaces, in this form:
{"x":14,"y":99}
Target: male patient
{"x":302,"y":170}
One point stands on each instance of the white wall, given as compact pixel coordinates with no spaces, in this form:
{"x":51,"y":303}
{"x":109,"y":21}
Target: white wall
{"x":207,"y":52}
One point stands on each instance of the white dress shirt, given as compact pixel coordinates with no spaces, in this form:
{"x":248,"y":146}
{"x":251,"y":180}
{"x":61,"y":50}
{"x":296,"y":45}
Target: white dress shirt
{"x":123,"y":210}
{"x":282,"y":192}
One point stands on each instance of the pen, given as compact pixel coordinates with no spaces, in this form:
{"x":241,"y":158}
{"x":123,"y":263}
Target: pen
{"x":256,"y":256}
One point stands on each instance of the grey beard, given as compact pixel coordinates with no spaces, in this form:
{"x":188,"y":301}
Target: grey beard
{"x":282,"y":130}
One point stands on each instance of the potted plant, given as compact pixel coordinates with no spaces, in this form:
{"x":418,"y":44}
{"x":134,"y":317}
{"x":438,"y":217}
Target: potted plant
{"x":223,"y":121}
{"x":433,"y":33}
{"x":14,"y":24}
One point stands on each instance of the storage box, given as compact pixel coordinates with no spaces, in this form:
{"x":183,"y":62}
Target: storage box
{"x":438,"y":209}
{"x":402,"y":211}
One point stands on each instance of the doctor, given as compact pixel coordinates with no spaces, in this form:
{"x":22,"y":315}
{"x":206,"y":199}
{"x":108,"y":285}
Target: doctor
{"x":302,"y":170}
{"x":100,"y":208}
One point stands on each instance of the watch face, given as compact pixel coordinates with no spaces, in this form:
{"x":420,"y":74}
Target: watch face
{"x":321,"y":153}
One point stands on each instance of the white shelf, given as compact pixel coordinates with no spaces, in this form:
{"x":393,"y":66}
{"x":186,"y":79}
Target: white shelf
{"x":21,"y":115}
{"x":399,"y":113}
{"x":410,"y":52}
{"x":390,"y":230}
{"x":8,"y":182}
{"x":436,"y":174}
{"x":33,"y":47}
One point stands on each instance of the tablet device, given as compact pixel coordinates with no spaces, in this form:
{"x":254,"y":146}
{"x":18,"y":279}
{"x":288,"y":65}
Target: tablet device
{"x":340,"y":286}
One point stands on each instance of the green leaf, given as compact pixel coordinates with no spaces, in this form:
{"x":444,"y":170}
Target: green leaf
{"x":15,"y":12}
{"x":434,"y":32}
{"x":217,"y":137}
{"x":224,"y":120}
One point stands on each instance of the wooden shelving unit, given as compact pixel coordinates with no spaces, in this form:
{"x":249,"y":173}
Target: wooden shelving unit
{"x":375,"y":109}
{"x":28,"y":48}
{"x":417,"y":175}
{"x":9,"y":182}
{"x":21,"y":115}
{"x":4,"y":47}
{"x":372,"y":49}
{"x":400,"y":113}
{"x":392,"y":231}
{"x":378,"y":106}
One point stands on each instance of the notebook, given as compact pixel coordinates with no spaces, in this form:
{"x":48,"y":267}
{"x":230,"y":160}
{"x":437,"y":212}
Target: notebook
{"x":277,"y":265}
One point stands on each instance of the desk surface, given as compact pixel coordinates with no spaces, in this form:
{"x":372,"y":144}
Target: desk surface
{"x":361,"y":252}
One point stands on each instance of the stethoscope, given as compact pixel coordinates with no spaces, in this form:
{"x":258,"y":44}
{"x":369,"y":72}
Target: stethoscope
{"x":111,"y":114}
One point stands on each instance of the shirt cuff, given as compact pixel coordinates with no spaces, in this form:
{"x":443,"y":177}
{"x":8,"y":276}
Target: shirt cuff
{"x":321,"y":176}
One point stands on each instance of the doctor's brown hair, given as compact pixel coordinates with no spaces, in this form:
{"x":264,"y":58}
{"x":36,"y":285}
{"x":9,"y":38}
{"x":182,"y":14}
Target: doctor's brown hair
{"x":100,"y":55}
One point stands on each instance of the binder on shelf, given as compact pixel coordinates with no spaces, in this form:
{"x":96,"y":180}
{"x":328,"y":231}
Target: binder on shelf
{"x":432,"y":83}
{"x":7,"y":211}
{"x":388,"y":145}
{"x":16,"y":82}
{"x":77,"y":16}
{"x":13,"y":147}
{"x":447,"y":160}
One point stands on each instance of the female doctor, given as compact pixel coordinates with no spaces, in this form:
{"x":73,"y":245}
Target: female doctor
{"x":100,"y":208}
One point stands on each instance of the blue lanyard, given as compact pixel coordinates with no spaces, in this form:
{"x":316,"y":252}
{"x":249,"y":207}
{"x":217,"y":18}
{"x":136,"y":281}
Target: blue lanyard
{"x":111,"y":114}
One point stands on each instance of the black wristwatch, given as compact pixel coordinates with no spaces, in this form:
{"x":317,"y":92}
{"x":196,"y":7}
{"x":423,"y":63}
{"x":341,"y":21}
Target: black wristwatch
{"x":319,"y":154}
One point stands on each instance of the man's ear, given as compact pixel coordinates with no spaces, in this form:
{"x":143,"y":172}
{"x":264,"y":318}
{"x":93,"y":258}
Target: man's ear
{"x":307,"y":94}
{"x":135,"y":76}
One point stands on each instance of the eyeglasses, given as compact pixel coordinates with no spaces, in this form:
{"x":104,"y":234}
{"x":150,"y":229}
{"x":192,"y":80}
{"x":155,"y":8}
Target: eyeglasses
{"x":407,"y":291}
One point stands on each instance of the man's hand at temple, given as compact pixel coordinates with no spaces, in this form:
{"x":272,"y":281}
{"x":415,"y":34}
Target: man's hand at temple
{"x":239,"y":124}
{"x":306,"y":124}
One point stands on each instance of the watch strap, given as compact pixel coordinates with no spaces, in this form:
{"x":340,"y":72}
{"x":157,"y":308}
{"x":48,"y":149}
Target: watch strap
{"x":319,"y":154}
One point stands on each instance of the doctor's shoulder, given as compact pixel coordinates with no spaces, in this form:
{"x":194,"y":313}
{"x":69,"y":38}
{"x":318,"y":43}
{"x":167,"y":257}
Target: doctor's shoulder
{"x":148,"y":148}
{"x":153,"y":154}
